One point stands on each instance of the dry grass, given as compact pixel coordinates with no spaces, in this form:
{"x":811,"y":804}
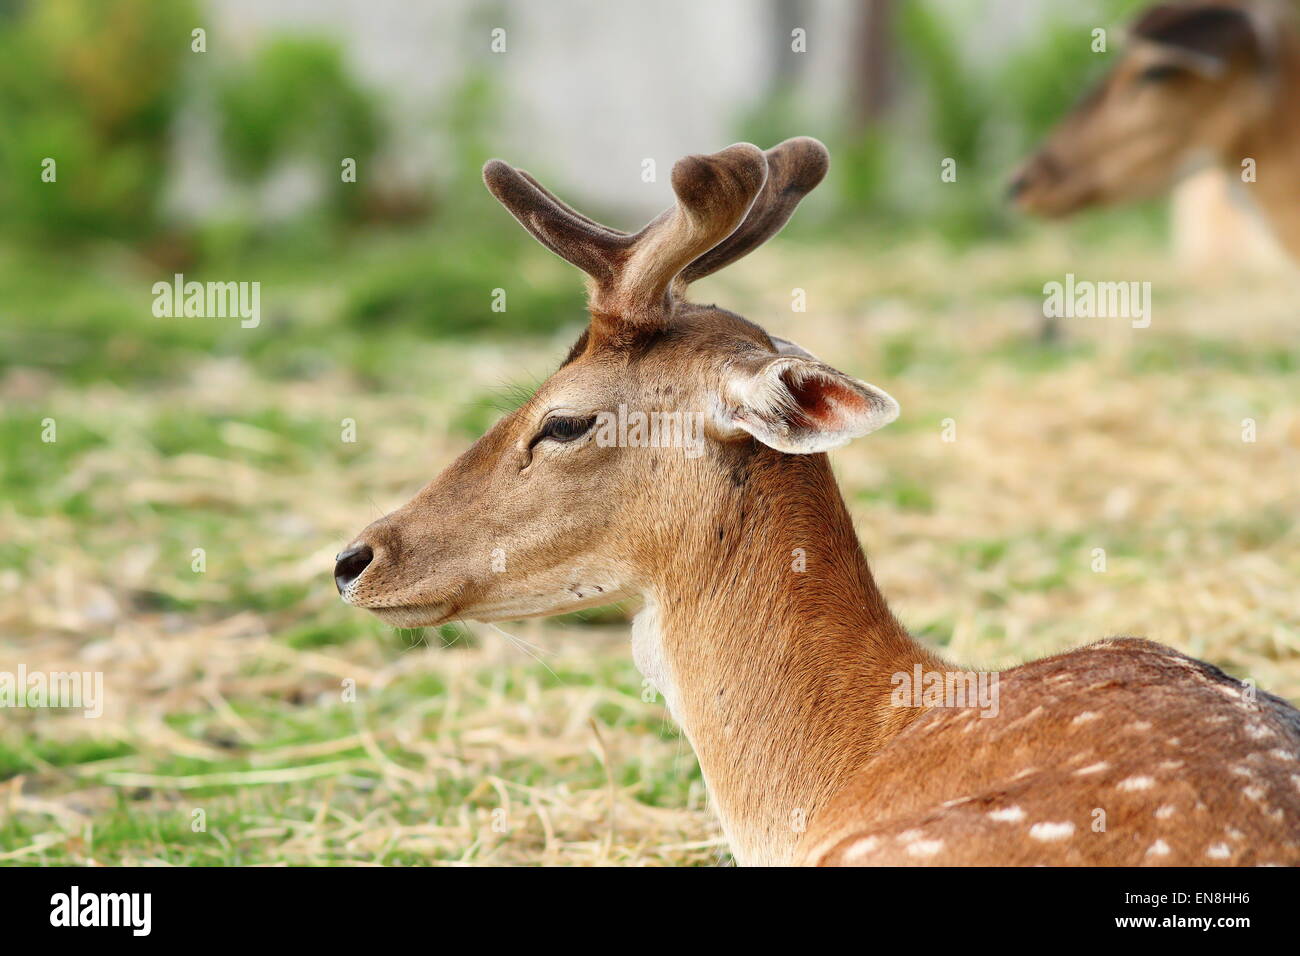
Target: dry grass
{"x":224,"y":689}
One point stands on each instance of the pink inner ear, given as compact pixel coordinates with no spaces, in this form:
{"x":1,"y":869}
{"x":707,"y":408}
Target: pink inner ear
{"x":823,"y":403}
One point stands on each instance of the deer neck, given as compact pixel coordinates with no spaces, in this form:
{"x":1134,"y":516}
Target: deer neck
{"x":775,"y":650}
{"x":1274,"y":144}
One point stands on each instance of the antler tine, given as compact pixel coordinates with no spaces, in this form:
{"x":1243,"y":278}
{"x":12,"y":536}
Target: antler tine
{"x":794,"y":168}
{"x":617,"y":233}
{"x":714,"y":192}
{"x":632,"y":275}
{"x":593,"y":248}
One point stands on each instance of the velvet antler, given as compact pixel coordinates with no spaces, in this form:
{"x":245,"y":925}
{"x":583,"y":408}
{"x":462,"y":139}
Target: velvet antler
{"x":794,"y":168}
{"x":728,"y":203}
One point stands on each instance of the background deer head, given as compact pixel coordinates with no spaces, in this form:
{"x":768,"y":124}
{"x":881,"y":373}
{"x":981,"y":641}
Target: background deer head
{"x":545,"y":513}
{"x":1192,"y":86}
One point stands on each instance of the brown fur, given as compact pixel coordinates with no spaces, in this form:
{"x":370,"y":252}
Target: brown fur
{"x":1178,"y":765}
{"x":767,"y":633}
{"x":1230,"y":91}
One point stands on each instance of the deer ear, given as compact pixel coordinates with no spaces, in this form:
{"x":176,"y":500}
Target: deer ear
{"x":1206,"y":36}
{"x":799,"y":405}
{"x":786,"y":347}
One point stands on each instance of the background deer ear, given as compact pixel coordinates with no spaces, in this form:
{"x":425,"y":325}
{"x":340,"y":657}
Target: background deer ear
{"x":799,"y":405}
{"x":1202,"y":36}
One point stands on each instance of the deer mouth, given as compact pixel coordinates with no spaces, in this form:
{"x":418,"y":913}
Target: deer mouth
{"x":417,"y":606}
{"x":1058,"y":200}
{"x":414,"y":615}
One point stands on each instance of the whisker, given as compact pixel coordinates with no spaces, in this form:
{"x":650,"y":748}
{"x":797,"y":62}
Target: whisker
{"x":527,"y":649}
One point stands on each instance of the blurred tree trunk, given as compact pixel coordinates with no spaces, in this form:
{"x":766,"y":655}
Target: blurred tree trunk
{"x":872,"y":63}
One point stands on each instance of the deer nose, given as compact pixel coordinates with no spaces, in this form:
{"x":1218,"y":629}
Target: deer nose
{"x":1042,"y":169}
{"x":349,"y":565}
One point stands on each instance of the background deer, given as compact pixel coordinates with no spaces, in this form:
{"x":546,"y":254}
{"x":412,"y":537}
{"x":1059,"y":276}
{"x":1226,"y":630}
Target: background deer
{"x":1200,"y":84}
{"x":762,"y":625}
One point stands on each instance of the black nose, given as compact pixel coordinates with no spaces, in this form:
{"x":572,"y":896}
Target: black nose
{"x":350,"y":565}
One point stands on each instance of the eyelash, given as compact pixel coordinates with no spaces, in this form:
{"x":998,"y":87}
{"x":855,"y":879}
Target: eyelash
{"x":565,"y":429}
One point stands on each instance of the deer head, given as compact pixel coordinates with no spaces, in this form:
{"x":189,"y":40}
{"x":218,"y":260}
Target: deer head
{"x":1193,"y":82}
{"x":582,"y":494}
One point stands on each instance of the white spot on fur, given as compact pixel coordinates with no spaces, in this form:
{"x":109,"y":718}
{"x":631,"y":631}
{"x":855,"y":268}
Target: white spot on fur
{"x":1007,"y":815}
{"x":1051,"y":831}
{"x":1084,"y":717}
{"x":1136,"y":783}
{"x":1159,"y":848}
{"x":924,"y":848}
{"x":1253,"y":793}
{"x":1166,"y":811}
{"x":1092,"y":768}
{"x":860,"y":849}
{"x":1219,"y":851}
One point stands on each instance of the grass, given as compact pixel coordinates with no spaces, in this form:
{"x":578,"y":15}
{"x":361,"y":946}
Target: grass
{"x":250,"y":718}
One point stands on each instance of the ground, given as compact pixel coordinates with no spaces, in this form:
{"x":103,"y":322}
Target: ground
{"x":1097,"y":482}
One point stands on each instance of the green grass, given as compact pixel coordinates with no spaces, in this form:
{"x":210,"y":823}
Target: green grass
{"x":225,"y":687}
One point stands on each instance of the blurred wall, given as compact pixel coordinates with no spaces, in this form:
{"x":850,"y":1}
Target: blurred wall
{"x":579,"y":108}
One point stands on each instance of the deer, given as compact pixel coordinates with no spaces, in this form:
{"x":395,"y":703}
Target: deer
{"x":826,"y":733}
{"x":1207,"y":94}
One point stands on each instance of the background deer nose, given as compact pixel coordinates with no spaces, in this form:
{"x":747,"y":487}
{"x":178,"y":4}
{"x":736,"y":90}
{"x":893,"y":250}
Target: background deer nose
{"x":1041,"y":169}
{"x":350,"y":564}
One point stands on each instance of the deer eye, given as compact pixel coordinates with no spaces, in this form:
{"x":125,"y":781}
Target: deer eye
{"x":565,"y":429}
{"x":1160,"y":73}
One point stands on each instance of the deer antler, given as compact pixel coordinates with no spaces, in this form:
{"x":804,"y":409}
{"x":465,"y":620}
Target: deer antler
{"x":593,"y":248}
{"x":794,"y":168}
{"x":716,"y":220}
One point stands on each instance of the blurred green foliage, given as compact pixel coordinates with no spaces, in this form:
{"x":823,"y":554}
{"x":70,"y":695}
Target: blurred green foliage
{"x":958,"y":108}
{"x":1039,"y":81}
{"x":362,"y":312}
{"x":98,"y":86}
{"x":100,"y":108}
{"x":983,"y":112}
{"x":296,"y":100}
